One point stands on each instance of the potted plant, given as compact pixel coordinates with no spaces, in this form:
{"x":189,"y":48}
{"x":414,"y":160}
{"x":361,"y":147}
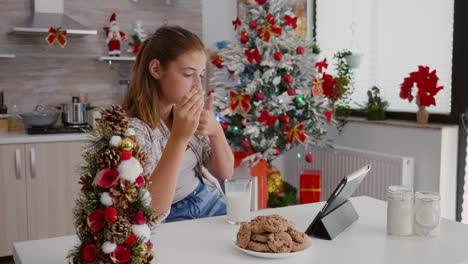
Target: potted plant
{"x":353,"y":59}
{"x":375,"y":108}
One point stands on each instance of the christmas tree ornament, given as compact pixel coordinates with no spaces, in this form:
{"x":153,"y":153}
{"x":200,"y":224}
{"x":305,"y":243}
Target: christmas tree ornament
{"x":137,"y":38}
{"x":57,"y":34}
{"x":290,"y":21}
{"x":253,"y":55}
{"x":265,"y":117}
{"x":321,"y":65}
{"x":275,"y":181}
{"x":114,"y":36}
{"x":224,"y":126}
{"x":278,"y":56}
{"x":246,"y":145}
{"x":287,"y":78}
{"x":260,"y":96}
{"x":309,"y":157}
{"x":295,"y":133}
{"x":277,"y":151}
{"x":267,"y":30}
{"x":253,"y":24}
{"x":299,"y":100}
{"x":125,"y":154}
{"x":108,"y":158}
{"x":114,"y":118}
{"x":285,"y":119}
{"x":241,"y":100}
{"x":291,"y":92}
{"x":244,"y":37}
{"x":317,"y":88}
{"x":111,"y":214}
{"x":236,"y":23}
{"x":300,"y":50}
{"x":126,"y":144}
{"x":217,"y":61}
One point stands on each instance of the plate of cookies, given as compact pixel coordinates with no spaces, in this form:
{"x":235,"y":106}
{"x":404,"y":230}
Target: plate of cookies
{"x":271,"y":236}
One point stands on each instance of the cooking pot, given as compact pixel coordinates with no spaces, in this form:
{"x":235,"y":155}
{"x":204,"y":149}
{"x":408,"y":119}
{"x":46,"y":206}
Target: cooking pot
{"x":75,"y":113}
{"x":39,"y":118}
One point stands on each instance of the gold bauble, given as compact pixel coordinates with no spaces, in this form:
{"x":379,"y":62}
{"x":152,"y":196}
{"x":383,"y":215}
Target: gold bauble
{"x":126,"y":144}
{"x":141,"y":250}
{"x":275,"y":182}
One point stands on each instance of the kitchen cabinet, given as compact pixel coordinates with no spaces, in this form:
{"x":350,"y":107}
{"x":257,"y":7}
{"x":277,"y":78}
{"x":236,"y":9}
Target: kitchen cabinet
{"x":38,"y":189}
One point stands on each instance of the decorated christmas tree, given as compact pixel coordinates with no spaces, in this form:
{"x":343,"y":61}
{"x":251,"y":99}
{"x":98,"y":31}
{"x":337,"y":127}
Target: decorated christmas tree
{"x":113,"y":216}
{"x":269,"y":107}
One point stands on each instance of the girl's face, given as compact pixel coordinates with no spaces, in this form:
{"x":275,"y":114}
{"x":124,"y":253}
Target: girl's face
{"x":182,"y":75}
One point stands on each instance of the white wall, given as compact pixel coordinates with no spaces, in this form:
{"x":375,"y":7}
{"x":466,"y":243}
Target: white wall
{"x":217,"y":16}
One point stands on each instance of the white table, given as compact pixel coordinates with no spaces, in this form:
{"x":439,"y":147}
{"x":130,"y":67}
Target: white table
{"x":209,"y":241}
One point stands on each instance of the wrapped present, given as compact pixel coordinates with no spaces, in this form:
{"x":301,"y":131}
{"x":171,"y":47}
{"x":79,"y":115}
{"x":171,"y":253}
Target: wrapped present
{"x":310,"y":186}
{"x":260,"y":171}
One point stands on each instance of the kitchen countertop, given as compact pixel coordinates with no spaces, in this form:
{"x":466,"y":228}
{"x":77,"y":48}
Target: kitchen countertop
{"x":22,"y":137}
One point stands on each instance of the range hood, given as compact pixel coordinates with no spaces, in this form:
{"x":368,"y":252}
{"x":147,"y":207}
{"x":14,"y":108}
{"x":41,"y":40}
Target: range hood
{"x":49,"y":13}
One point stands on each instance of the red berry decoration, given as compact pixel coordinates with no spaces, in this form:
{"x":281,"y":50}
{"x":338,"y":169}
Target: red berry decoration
{"x":111,"y":214}
{"x":253,"y":24}
{"x":246,"y":144}
{"x":300,"y":50}
{"x":278,"y":56}
{"x":287,"y":78}
{"x":285,"y":119}
{"x":278,"y":151}
{"x":291,"y":92}
{"x":125,"y":155}
{"x":260,"y":96}
{"x":309,"y":158}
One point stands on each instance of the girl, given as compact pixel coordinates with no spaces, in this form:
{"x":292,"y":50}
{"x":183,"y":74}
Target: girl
{"x":179,"y":132}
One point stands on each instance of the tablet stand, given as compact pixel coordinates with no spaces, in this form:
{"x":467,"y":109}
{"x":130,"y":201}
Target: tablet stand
{"x":332,"y":224}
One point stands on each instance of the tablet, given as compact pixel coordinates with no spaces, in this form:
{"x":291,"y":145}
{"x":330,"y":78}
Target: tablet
{"x":342,"y":193}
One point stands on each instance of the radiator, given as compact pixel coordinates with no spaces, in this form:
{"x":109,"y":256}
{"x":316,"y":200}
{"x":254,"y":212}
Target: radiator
{"x":339,"y":162}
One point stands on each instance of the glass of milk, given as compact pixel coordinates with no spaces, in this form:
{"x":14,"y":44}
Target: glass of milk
{"x":238,"y":200}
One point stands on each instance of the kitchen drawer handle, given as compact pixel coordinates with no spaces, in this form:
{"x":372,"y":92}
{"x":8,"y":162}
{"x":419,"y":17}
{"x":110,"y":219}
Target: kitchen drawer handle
{"x":18,"y":163}
{"x":33,"y":162}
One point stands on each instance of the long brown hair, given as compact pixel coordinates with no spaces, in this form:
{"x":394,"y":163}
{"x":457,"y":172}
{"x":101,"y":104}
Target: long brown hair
{"x":166,"y":45}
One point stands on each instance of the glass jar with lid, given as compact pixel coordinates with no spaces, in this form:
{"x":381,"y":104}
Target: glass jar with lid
{"x":400,"y":213}
{"x":427,"y":213}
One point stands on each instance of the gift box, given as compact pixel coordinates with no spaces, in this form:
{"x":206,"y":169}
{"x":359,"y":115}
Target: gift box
{"x":310,"y":186}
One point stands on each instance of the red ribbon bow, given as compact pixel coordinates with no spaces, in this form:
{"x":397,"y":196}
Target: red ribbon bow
{"x":253,"y":55}
{"x":56,"y":34}
{"x":240,"y":99}
{"x":290,"y":21}
{"x":236,"y":23}
{"x":322,"y":64}
{"x":266,"y":117}
{"x":269,"y":29}
{"x":297,"y":132}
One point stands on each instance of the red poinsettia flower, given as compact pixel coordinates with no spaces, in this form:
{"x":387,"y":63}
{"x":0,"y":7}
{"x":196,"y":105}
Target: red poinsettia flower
{"x":426,"y":82}
{"x":139,"y":218}
{"x":89,"y":253}
{"x":96,"y":220}
{"x":122,"y":254}
{"x":109,"y":176}
{"x":329,"y":84}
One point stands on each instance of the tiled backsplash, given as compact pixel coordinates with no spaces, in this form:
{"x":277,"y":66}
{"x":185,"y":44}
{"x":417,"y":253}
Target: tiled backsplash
{"x":52,"y":81}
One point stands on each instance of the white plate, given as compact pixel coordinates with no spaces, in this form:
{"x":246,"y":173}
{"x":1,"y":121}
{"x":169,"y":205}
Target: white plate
{"x":271,"y":255}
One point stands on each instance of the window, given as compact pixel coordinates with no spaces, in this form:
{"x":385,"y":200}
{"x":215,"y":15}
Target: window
{"x":395,"y":37}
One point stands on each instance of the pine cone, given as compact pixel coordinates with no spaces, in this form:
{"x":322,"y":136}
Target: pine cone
{"x":124,"y":193}
{"x":108,"y":158}
{"x":118,"y":231}
{"x":86,"y":181}
{"x":115,"y":117}
{"x":140,"y":155}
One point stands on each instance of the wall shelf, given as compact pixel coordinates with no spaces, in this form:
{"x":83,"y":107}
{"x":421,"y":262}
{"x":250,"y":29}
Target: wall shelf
{"x":7,"y":56}
{"x":112,"y":58}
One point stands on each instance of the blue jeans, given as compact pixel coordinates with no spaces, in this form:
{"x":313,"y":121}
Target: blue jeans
{"x":204,"y":201}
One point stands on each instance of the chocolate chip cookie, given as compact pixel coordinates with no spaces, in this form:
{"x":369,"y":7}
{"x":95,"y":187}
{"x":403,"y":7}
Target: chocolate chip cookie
{"x":243,"y":236}
{"x":280,"y":242}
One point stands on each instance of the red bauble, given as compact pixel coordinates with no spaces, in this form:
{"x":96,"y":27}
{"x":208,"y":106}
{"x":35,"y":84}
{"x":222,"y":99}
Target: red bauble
{"x":224,"y":126}
{"x":131,"y":240}
{"x":111,"y":214}
{"x":287,"y":78}
{"x":278,"y":56}
{"x":244,"y":37}
{"x":309,"y":158}
{"x":89,"y":253}
{"x":278,"y":151}
{"x":253,"y":24}
{"x":122,"y":254}
{"x":246,"y":144}
{"x":300,"y":50}
{"x":291,"y":92}
{"x":260,"y":96}
{"x":125,"y":155}
{"x":285,"y":119}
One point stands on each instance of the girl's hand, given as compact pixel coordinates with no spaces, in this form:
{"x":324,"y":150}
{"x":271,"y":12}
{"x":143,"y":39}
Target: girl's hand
{"x":187,"y":115}
{"x":208,"y":125}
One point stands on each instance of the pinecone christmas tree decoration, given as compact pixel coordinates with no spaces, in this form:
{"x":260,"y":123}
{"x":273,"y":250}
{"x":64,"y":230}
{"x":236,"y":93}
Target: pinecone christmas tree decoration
{"x":116,"y":119}
{"x":124,"y":193}
{"x":108,"y":158}
{"x":139,"y":155}
{"x":111,"y":217}
{"x":118,"y":231}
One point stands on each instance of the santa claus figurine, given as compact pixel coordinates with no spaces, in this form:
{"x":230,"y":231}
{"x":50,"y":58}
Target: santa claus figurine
{"x":114,"y":36}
